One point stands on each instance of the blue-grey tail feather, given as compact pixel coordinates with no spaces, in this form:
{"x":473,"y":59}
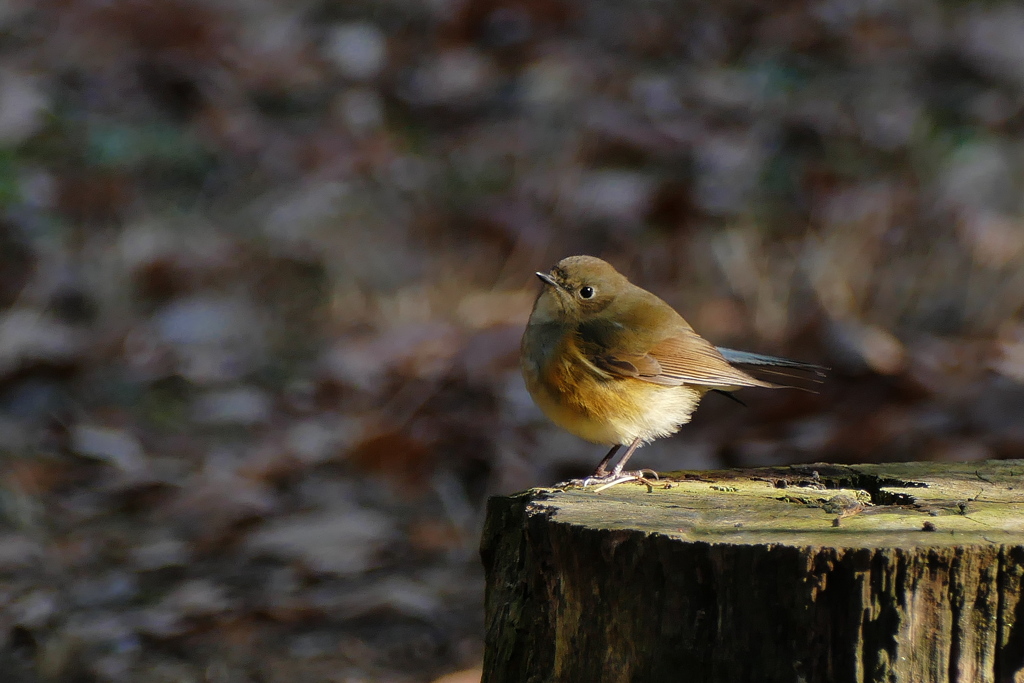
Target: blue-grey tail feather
{"x":747,"y":358}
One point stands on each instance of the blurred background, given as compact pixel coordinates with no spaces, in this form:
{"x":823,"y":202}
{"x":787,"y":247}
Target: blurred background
{"x":264,"y":266}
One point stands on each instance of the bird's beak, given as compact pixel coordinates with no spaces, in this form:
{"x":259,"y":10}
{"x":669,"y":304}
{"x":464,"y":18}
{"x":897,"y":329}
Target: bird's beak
{"x":548,"y":280}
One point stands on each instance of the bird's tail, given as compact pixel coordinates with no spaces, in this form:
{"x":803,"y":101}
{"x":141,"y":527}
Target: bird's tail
{"x":789,"y":371}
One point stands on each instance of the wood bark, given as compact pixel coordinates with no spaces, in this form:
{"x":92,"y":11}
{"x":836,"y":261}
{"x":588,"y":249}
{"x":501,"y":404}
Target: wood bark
{"x":900,"y":573}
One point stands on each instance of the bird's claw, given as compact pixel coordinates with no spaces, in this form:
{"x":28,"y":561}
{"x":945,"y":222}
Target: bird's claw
{"x":606,"y":481}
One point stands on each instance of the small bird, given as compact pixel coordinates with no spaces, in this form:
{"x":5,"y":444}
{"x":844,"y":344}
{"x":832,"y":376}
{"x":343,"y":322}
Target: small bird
{"x":612,"y":363}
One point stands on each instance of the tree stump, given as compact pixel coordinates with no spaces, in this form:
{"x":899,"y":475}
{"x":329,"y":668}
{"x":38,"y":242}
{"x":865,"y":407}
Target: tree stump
{"x":897,"y":573}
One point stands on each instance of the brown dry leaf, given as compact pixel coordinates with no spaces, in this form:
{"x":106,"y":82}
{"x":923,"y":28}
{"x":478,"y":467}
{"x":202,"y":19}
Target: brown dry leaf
{"x":454,"y":77}
{"x":342,"y":541}
{"x":212,"y":502}
{"x":400,"y":457}
{"x":18,"y":552}
{"x":321,"y":438}
{"x":881,"y":350}
{"x":23,"y":104}
{"x":33,"y":477}
{"x":95,"y":196}
{"x":876,"y":348}
{"x":34,"y":609}
{"x":160,"y":553}
{"x":242,"y":406}
{"x":616,"y":129}
{"x":357,"y":49}
{"x":396,"y":594}
{"x":423,"y":351}
{"x":199,"y":597}
{"x":28,"y":337}
{"x":112,"y":446}
{"x":1010,"y":359}
{"x":949,"y":366}
{"x":165,"y":259}
{"x":191,"y":600}
{"x":214,"y":339}
{"x":434,"y":535}
{"x":995,"y":240}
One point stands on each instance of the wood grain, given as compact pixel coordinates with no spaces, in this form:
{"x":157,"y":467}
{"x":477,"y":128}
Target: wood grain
{"x":895,"y":573}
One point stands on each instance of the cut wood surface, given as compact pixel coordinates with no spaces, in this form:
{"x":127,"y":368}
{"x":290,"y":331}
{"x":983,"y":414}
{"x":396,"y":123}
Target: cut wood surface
{"x":896,"y":572}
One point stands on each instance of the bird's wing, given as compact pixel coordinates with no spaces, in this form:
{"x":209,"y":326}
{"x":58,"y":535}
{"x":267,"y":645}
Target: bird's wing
{"x":687,"y":358}
{"x":684,"y":357}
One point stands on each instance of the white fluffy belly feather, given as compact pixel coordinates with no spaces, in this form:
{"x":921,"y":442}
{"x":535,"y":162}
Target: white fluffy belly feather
{"x":652,"y":411}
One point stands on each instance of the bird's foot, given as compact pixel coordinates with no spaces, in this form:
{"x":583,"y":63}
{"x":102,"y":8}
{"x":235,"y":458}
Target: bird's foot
{"x":616,"y":478}
{"x":606,"y":480}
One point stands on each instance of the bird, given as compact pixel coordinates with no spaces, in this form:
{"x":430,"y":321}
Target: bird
{"x":612,"y":363}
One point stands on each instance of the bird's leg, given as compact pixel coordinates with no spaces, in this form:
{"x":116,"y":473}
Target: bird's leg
{"x":602,"y":467}
{"x":605,"y":479}
{"x":617,"y":476}
{"x":622,"y":462}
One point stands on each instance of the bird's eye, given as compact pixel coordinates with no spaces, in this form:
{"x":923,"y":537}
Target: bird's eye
{"x":586,"y":292}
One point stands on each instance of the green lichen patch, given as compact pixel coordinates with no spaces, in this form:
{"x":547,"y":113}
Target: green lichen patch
{"x":906,"y":505}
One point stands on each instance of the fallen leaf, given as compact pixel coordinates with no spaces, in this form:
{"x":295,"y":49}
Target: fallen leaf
{"x":343,"y":542}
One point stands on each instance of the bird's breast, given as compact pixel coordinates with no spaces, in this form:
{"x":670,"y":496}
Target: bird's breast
{"x":599,"y":407}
